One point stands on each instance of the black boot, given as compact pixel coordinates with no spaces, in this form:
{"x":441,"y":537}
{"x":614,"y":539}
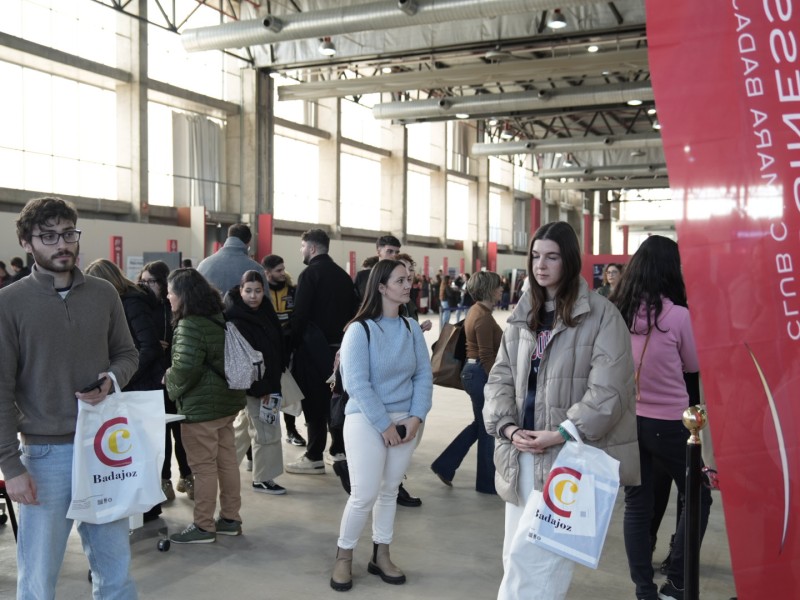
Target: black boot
{"x":406,"y":499}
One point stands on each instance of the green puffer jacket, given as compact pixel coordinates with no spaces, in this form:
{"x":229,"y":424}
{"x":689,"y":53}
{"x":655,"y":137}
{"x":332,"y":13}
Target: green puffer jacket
{"x":201,"y":394}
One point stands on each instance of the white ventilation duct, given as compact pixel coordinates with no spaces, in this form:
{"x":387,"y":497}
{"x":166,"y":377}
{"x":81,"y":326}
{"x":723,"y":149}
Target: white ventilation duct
{"x":617,"y":142}
{"x":501,"y":105}
{"x":351,"y":19}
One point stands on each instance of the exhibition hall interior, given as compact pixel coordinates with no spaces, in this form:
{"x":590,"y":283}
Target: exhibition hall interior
{"x":458,"y":127}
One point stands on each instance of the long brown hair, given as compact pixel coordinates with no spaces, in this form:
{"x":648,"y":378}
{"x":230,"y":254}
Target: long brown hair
{"x":372,"y":305}
{"x":567,"y":293}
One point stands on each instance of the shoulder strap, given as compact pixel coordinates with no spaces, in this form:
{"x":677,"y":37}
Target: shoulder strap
{"x":405,"y":322}
{"x":366,"y":329}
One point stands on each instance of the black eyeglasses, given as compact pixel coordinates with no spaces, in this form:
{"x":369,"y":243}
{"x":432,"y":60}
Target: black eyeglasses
{"x":50,"y":238}
{"x":148,"y":281}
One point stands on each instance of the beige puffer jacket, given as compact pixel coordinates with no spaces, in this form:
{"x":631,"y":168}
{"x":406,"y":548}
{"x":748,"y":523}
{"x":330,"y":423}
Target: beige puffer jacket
{"x":585,"y":375}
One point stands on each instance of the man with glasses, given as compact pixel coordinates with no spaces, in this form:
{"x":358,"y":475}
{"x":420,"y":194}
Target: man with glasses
{"x":59,"y":331}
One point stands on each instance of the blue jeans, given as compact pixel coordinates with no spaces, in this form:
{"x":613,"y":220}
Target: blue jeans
{"x":474,"y":378}
{"x":44,"y":529}
{"x":445,"y":314}
{"x":665,"y":442}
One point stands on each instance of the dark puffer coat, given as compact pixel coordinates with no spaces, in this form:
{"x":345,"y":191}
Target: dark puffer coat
{"x":262,"y":329}
{"x":198,"y":344}
{"x":139,"y":306}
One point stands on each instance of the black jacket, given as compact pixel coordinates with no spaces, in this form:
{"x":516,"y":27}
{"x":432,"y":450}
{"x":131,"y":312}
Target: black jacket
{"x":262,"y":329}
{"x":139,"y":307}
{"x":324,"y":296}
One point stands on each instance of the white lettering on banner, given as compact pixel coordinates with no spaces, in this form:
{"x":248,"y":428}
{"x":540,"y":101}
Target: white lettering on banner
{"x":774,"y":159}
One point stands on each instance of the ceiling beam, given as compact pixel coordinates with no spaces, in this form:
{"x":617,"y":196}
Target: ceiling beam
{"x":477,"y":74}
{"x":609,"y":184}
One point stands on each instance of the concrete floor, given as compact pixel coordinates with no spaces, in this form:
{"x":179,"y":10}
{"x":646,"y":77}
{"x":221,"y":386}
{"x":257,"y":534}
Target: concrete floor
{"x":449,"y":547}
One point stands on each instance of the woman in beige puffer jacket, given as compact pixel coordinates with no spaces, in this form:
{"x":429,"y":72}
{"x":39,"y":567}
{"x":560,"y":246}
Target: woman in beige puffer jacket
{"x":566,"y":355}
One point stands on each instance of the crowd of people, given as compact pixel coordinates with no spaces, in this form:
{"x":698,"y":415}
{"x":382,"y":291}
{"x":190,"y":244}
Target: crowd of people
{"x":619,"y":371}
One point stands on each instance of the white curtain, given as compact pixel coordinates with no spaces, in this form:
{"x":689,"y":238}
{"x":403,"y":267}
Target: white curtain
{"x":198,"y":161}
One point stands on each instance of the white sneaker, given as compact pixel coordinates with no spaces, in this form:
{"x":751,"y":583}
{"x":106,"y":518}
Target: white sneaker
{"x":249,"y":465}
{"x":332,"y":458}
{"x":305,"y":466}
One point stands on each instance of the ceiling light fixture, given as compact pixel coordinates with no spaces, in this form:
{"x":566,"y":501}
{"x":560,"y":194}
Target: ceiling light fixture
{"x":568,"y":162}
{"x":634,"y":102}
{"x":387,"y":69}
{"x":593,"y":48}
{"x":651,"y":111}
{"x":507,"y":134}
{"x":637,"y":153}
{"x":462,"y":116}
{"x":656,"y":124}
{"x":492,"y":122}
{"x":326,"y":47}
{"x":557,"y":20}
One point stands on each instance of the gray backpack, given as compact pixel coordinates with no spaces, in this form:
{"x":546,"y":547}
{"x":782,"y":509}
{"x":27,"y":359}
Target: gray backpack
{"x":244,"y":365}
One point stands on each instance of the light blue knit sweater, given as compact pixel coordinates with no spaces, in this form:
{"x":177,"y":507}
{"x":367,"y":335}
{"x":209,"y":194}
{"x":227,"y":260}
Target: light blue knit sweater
{"x":396,"y":378}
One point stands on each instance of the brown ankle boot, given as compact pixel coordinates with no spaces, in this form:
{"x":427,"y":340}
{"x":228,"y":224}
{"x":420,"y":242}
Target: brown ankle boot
{"x":382,"y":565}
{"x":342,"y":577}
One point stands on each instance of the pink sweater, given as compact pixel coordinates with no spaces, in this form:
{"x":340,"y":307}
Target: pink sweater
{"x":670,"y":352}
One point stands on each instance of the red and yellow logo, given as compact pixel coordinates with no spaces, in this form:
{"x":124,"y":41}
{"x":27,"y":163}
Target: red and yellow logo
{"x":112,"y":442}
{"x":561,"y":490}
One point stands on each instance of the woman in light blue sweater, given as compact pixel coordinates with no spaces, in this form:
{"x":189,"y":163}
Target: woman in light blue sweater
{"x":387,"y":374}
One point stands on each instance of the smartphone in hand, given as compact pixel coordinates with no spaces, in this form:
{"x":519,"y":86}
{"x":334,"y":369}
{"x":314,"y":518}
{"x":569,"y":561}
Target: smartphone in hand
{"x":401,"y":430}
{"x":94,"y":385}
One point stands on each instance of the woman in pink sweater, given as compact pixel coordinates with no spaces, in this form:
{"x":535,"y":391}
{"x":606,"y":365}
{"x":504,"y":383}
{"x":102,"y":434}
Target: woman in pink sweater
{"x":652,"y":299}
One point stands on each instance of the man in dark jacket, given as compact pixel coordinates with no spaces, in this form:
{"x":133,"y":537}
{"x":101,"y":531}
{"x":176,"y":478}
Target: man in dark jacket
{"x":324,"y":303}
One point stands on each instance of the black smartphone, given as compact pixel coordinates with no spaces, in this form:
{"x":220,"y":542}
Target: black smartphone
{"x":93,"y":385}
{"x":401,"y":430}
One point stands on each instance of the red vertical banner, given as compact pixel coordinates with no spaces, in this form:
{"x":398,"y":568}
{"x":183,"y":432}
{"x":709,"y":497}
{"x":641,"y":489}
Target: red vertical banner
{"x":426,"y":265}
{"x":732,"y":146}
{"x":588,"y":233}
{"x":172,"y":245}
{"x":264,"y":246}
{"x":352,"y":264}
{"x":491,"y":256}
{"x":477,"y":264}
{"x":536,"y":215}
{"x":217,"y":246}
{"x":461,"y":265}
{"x":115,"y":250}
{"x":444,"y":266}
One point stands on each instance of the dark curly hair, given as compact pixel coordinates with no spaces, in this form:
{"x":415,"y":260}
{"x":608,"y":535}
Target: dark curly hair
{"x":43,"y":211}
{"x":197,"y":296}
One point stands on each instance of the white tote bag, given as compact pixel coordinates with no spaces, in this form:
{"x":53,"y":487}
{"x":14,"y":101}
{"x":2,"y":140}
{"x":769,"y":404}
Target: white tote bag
{"x":577,"y":501}
{"x":119,"y":451}
{"x":292,"y":395}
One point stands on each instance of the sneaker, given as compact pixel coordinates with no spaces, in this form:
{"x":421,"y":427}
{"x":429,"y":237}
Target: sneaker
{"x":166,"y":487}
{"x":295,"y":439}
{"x":332,"y":458}
{"x":194,"y":535}
{"x":228,"y":527}
{"x":669,"y":592}
{"x":189,"y":485}
{"x":269,"y":487}
{"x":249,"y":465}
{"x":306,"y":466}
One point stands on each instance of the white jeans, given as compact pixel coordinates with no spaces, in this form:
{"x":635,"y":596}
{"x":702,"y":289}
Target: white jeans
{"x":530,"y":571}
{"x":375,"y":473}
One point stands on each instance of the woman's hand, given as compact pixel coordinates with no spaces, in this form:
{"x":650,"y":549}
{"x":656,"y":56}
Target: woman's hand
{"x":535,"y":442}
{"x":412,"y":426}
{"x":391,"y":437}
